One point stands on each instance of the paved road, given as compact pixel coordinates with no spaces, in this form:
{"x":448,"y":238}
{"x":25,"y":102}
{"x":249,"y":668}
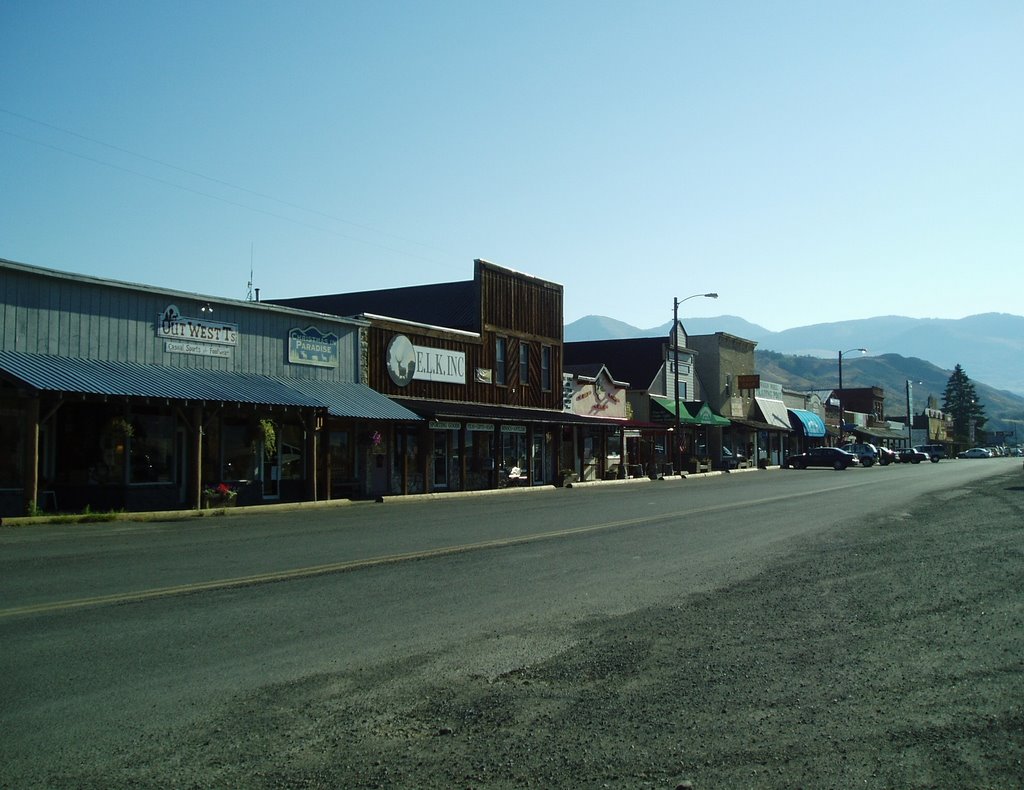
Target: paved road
{"x":116,"y":633}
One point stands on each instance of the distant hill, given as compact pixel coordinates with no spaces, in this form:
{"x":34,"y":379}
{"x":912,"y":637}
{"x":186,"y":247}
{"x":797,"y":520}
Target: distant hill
{"x":989,"y":347}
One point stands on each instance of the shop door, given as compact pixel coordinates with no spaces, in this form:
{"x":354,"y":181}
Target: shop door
{"x":271,"y":472}
{"x":440,"y":459}
{"x":181,"y":453}
{"x":539,"y":467}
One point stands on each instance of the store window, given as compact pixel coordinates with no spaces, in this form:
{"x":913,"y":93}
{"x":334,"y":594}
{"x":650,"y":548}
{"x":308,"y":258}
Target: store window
{"x":513,"y":452}
{"x":92,"y":445}
{"x":499,"y":361}
{"x":152,"y":449}
{"x":239,"y":453}
{"x":524,"y":363}
{"x":545,"y":368}
{"x":342,"y":457}
{"x":290,"y":447}
{"x":12,"y":437}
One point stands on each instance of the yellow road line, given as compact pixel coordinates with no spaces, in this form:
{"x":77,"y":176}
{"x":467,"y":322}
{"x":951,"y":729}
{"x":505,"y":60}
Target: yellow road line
{"x":387,"y":559}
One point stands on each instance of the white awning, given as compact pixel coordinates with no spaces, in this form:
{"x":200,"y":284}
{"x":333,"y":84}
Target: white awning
{"x":775,"y":413}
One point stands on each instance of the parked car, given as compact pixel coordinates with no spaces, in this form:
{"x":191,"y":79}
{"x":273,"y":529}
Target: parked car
{"x":886,"y":456}
{"x":866,"y":453}
{"x":731,"y":460}
{"x":975,"y":452}
{"x":822,"y":456}
{"x":935,"y":452}
{"x":912,"y":455}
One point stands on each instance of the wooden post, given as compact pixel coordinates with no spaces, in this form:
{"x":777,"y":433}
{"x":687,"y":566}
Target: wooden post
{"x":31,"y":474}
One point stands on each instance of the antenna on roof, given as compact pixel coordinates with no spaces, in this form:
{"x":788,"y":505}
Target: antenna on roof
{"x":248,"y":297}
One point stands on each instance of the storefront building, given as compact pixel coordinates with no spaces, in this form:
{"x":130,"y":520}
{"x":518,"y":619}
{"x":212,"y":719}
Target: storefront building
{"x":663,"y":394}
{"x":481,"y":362}
{"x":598,"y":453}
{"x":122,"y":396}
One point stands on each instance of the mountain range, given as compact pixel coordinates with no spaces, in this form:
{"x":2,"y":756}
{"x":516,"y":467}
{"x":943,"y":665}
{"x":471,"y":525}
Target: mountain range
{"x":989,"y":347}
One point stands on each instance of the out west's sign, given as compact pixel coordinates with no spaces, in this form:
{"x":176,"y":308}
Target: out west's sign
{"x":310,"y":346}
{"x":194,"y":335}
{"x":407,"y":362}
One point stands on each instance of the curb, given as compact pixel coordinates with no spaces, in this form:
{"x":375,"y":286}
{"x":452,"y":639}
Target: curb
{"x":187,"y":515}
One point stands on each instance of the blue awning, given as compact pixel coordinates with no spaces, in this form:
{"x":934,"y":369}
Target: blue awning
{"x":813,"y":426}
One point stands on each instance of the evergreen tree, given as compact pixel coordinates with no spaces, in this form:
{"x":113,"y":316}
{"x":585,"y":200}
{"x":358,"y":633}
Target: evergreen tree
{"x":961,"y":401}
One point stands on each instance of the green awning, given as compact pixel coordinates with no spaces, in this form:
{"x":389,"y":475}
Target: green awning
{"x":705,"y":416}
{"x":669,"y":405}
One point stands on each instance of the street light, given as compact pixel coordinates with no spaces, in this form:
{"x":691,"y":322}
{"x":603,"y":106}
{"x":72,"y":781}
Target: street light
{"x":910,"y":411}
{"x":841,"y":423}
{"x":677,"y":452}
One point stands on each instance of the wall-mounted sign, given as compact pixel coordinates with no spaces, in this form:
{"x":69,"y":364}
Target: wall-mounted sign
{"x":748,"y":382}
{"x":172,"y":325}
{"x":406,"y":362}
{"x":310,"y":346}
{"x":479,"y":426}
{"x":513,"y":429}
{"x":483,"y":375}
{"x":439,"y":425}
{"x":199,"y":337}
{"x":196,"y":349}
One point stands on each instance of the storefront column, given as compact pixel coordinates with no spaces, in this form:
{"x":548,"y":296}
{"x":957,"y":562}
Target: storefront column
{"x":310,"y":429}
{"x":195,"y":483}
{"x":31,"y":477}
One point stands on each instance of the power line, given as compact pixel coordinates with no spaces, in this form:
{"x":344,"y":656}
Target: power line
{"x":220,"y":182}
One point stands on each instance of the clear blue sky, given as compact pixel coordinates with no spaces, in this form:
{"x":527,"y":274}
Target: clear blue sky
{"x":810,"y":161}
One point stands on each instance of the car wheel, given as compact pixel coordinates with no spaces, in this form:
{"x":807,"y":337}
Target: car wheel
{"x":884,"y":463}
{"x":935,"y":459}
{"x":838,"y":465}
{"x":866,"y":461}
{"x":915,"y":460}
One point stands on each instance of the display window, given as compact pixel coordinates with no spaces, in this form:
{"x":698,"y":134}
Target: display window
{"x":151,"y":448}
{"x":12,"y":442}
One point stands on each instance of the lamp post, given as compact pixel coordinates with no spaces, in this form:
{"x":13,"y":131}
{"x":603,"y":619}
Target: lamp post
{"x":677,"y":451}
{"x":841,"y":423}
{"x":910,"y":412}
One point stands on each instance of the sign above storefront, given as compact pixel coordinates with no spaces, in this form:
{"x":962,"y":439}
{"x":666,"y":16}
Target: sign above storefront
{"x":172,"y":325}
{"x":200,"y":337}
{"x":407,"y":362}
{"x":310,"y":346}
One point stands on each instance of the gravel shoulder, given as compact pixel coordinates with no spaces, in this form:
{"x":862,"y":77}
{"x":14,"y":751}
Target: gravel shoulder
{"x":886,"y":654}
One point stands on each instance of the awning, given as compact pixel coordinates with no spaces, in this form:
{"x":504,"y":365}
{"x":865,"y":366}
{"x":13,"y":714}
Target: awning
{"x":775,"y":413}
{"x":704,"y":416}
{"x":669,"y":405}
{"x":880,"y":433}
{"x":352,"y":400}
{"x":757,"y":425}
{"x":51,"y":373}
{"x":486,"y":412}
{"x":813,"y":425}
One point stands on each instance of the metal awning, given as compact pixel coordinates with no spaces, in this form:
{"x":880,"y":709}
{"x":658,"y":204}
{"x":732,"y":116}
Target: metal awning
{"x":51,"y":373}
{"x":774,"y":413}
{"x":813,"y":426}
{"x":880,"y":433}
{"x":349,"y":399}
{"x":487,"y":412}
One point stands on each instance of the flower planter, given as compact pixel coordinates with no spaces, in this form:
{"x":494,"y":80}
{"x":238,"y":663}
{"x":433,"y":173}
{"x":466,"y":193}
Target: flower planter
{"x":216,"y":501}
